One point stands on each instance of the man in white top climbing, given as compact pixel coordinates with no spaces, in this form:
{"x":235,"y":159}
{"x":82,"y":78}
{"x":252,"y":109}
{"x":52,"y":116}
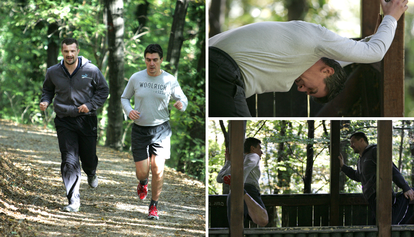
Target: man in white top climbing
{"x":253,"y":204}
{"x":271,"y":56}
{"x":152,"y":90}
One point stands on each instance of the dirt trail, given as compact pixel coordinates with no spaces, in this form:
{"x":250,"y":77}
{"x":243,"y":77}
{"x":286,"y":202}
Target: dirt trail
{"x":32,"y":193}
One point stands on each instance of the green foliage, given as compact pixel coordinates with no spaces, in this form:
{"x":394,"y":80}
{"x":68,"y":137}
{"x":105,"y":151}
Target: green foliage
{"x":244,"y":12}
{"x":24,"y":41}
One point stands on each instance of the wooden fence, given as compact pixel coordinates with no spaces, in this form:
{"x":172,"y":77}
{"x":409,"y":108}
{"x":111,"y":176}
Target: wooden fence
{"x":360,"y":98}
{"x":304,"y":215}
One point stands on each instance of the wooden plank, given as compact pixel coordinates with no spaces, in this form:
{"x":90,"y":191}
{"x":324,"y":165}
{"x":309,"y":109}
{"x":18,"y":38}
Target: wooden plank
{"x":218,"y":211}
{"x":359,"y":215}
{"x":384,"y":176}
{"x":289,"y":216}
{"x":295,"y":200}
{"x":237,"y":131}
{"x":291,"y":104}
{"x":266,"y":105}
{"x":347,"y":219}
{"x":334,"y":183}
{"x":299,"y":199}
{"x":321,"y":215}
{"x":392,"y":86}
{"x":251,"y":103}
{"x":305,"y":215}
{"x":272,"y":215}
{"x":220,"y":217}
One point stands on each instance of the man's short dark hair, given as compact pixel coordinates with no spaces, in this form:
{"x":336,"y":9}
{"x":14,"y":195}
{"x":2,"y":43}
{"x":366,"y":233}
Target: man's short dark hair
{"x":153,"y":48}
{"x":69,"y":41}
{"x":334,"y":83}
{"x":359,"y":135}
{"x":251,"y":141}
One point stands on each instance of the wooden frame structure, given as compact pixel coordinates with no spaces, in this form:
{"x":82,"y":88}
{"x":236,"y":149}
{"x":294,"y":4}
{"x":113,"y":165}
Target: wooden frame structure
{"x":377,"y":90}
{"x":383,"y":226}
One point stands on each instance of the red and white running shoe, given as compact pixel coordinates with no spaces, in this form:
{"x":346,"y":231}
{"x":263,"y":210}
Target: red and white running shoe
{"x":142,"y":191}
{"x":153,"y":213}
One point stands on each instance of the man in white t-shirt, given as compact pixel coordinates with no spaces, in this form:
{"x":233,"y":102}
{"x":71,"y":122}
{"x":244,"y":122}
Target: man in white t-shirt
{"x":152,"y":90}
{"x":253,"y":204}
{"x":271,"y":56}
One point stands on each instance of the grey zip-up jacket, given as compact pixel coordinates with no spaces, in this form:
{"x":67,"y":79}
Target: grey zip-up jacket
{"x":86,"y":86}
{"x":366,"y":172}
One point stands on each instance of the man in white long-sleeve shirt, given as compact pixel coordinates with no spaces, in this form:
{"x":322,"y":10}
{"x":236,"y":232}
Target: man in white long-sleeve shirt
{"x":253,"y":204}
{"x":150,"y":137}
{"x":271,"y":56}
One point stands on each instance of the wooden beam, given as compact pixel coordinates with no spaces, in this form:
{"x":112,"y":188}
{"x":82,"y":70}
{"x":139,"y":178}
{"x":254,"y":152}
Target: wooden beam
{"x":392,"y":86}
{"x":237,"y":131}
{"x":334,"y":183}
{"x":384,"y":176}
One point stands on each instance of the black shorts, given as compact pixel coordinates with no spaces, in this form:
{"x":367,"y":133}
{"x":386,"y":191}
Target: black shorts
{"x":151,"y":140}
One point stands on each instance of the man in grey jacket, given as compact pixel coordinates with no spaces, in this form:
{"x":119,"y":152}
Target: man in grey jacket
{"x":79,"y":89}
{"x":366,"y":173}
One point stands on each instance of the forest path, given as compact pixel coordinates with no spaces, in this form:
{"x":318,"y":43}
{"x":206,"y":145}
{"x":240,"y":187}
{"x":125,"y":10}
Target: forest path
{"x":32,"y":193}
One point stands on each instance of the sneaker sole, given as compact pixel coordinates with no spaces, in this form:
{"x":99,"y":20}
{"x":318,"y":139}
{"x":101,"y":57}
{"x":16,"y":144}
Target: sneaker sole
{"x":69,"y":209}
{"x":91,"y":184}
{"x":153,"y":217}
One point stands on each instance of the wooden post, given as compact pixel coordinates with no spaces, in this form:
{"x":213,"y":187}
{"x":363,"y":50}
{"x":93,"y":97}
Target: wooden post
{"x":334,"y":184}
{"x":384,"y":176}
{"x":392,"y":86}
{"x":236,"y":156}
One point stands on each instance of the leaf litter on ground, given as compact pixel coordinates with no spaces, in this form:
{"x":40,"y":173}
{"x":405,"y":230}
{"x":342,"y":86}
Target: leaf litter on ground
{"x":32,"y":193}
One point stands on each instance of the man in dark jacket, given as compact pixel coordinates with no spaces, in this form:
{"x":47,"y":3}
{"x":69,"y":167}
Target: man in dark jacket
{"x":79,"y":89}
{"x":366,"y":174}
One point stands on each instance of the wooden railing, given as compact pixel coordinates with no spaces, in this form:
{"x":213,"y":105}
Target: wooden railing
{"x":297,"y":210}
{"x":360,"y":98}
{"x":304,"y":215}
{"x":324,"y":231}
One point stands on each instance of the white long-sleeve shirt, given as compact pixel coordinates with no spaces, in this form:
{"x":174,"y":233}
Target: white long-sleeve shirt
{"x":272,"y":55}
{"x":251,"y":170}
{"x":151,"y":97}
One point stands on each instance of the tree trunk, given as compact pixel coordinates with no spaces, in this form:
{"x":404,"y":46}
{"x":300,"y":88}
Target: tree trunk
{"x":283,"y":177}
{"x":115,"y":24}
{"x":400,"y":151}
{"x":296,"y":9}
{"x":343,"y":145}
{"x":53,"y":46}
{"x":216,"y":16}
{"x":176,"y":37}
{"x":401,"y":146}
{"x":141,"y":14}
{"x":307,"y":180}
